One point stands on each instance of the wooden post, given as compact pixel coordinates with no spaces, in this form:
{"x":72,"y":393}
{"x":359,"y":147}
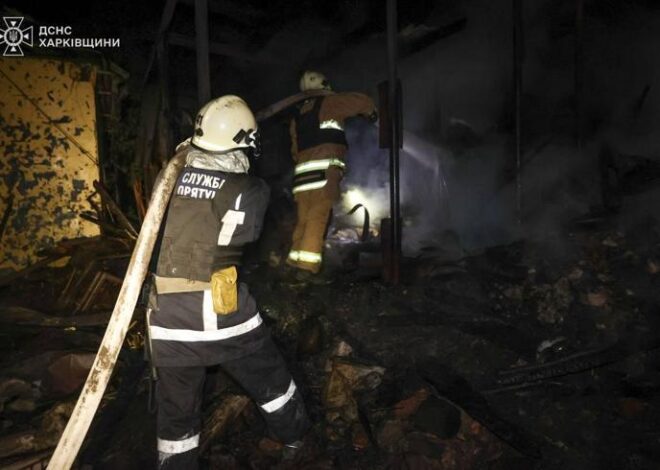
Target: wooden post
{"x":202,"y":49}
{"x":579,"y":73}
{"x":395,"y":140}
{"x":517,"y":100}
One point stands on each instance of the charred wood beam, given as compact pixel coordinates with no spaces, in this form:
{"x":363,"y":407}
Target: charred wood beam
{"x":579,"y":73}
{"x":431,"y":36}
{"x":114,"y":209}
{"x":583,"y":361}
{"x":150,"y":108}
{"x":8,"y":279}
{"x":202,"y":51}
{"x":580,"y":362}
{"x":139,"y":199}
{"x":448,"y":385}
{"x":92,"y":291}
{"x":162,"y":136}
{"x":165,"y":21}
{"x":518,"y":52}
{"x":24,"y":317}
{"x":168,"y":14}
{"x":177,"y":39}
{"x":33,"y":462}
{"x":462,"y":318}
{"x":222,"y":418}
{"x":105,"y":226}
{"x":639,"y":103}
{"x":243,"y":13}
{"x":394,"y":94}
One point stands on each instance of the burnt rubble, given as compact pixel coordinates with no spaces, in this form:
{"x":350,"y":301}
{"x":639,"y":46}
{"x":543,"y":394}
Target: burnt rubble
{"x":526,"y":355}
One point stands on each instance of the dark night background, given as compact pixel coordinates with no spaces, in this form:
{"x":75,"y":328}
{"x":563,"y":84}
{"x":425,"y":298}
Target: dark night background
{"x":483,"y":292}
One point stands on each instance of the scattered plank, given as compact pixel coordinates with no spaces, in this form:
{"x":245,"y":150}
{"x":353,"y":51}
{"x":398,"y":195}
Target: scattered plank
{"x":115,"y":210}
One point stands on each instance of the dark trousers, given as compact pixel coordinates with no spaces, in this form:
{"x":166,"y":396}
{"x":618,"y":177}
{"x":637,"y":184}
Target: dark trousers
{"x":264,"y":376}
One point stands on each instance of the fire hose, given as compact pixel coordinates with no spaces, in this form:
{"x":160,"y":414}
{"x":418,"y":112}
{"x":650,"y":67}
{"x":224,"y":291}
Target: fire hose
{"x":106,"y":358}
{"x":88,"y":402}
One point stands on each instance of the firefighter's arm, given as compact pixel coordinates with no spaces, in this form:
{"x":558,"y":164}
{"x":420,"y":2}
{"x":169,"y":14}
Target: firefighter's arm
{"x":258,"y":197}
{"x":346,"y":105}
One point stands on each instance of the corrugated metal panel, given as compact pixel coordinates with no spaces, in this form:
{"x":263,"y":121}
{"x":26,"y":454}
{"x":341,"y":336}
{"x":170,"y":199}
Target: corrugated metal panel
{"x":48,"y":155}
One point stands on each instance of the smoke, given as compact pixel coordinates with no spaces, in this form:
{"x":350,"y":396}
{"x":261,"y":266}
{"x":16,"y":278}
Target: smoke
{"x":457,"y":165}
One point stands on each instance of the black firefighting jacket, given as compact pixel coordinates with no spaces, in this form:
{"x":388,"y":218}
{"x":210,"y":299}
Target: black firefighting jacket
{"x":210,"y":217}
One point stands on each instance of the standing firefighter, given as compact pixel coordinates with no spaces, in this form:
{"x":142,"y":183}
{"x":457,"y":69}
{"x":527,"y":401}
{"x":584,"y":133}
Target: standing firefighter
{"x":203,"y":314}
{"x":319,"y":149}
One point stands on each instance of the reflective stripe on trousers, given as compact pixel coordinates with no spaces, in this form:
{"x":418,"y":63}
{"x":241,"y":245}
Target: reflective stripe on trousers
{"x":305,"y":256}
{"x":158,"y":333}
{"x":331,"y":124}
{"x":308,"y":169}
{"x":309,"y":186}
{"x":279,"y":402}
{"x":179,"y":446}
{"x":180,"y":453}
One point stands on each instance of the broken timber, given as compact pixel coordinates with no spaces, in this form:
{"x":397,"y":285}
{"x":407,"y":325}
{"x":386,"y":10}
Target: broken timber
{"x":583,"y":361}
{"x":114,"y":209}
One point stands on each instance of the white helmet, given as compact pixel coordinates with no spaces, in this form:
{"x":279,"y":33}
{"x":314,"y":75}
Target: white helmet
{"x":225,"y":123}
{"x":311,"y":80}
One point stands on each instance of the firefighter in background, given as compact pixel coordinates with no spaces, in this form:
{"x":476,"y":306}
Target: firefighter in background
{"x":202,"y":314}
{"x":319,"y":150}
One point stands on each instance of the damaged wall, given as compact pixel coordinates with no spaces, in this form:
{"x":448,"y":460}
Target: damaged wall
{"x":49,"y":154}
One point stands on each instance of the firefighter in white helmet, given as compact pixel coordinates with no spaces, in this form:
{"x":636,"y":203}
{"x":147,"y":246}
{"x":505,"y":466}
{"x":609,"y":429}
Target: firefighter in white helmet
{"x":202,"y":315}
{"x":319,"y":148}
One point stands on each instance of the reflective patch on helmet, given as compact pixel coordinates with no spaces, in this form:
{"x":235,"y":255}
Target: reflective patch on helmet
{"x":249,"y":137}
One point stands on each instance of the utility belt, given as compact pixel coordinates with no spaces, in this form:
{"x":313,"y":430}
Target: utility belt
{"x":173,"y":285}
{"x":223,"y":287}
{"x":313,"y":174}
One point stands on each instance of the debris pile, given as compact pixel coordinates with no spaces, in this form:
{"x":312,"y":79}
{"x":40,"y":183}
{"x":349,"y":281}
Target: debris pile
{"x":53,"y":316}
{"x":527,"y":355}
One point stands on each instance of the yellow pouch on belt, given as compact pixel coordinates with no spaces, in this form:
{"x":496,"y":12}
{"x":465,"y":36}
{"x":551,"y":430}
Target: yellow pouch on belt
{"x":224,"y":291}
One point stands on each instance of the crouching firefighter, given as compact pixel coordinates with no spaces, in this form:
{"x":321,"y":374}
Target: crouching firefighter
{"x":203,"y":314}
{"x":319,"y":147}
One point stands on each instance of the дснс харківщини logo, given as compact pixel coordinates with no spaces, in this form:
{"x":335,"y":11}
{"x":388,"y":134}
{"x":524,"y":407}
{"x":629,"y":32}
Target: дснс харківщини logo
{"x":14,"y":37}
